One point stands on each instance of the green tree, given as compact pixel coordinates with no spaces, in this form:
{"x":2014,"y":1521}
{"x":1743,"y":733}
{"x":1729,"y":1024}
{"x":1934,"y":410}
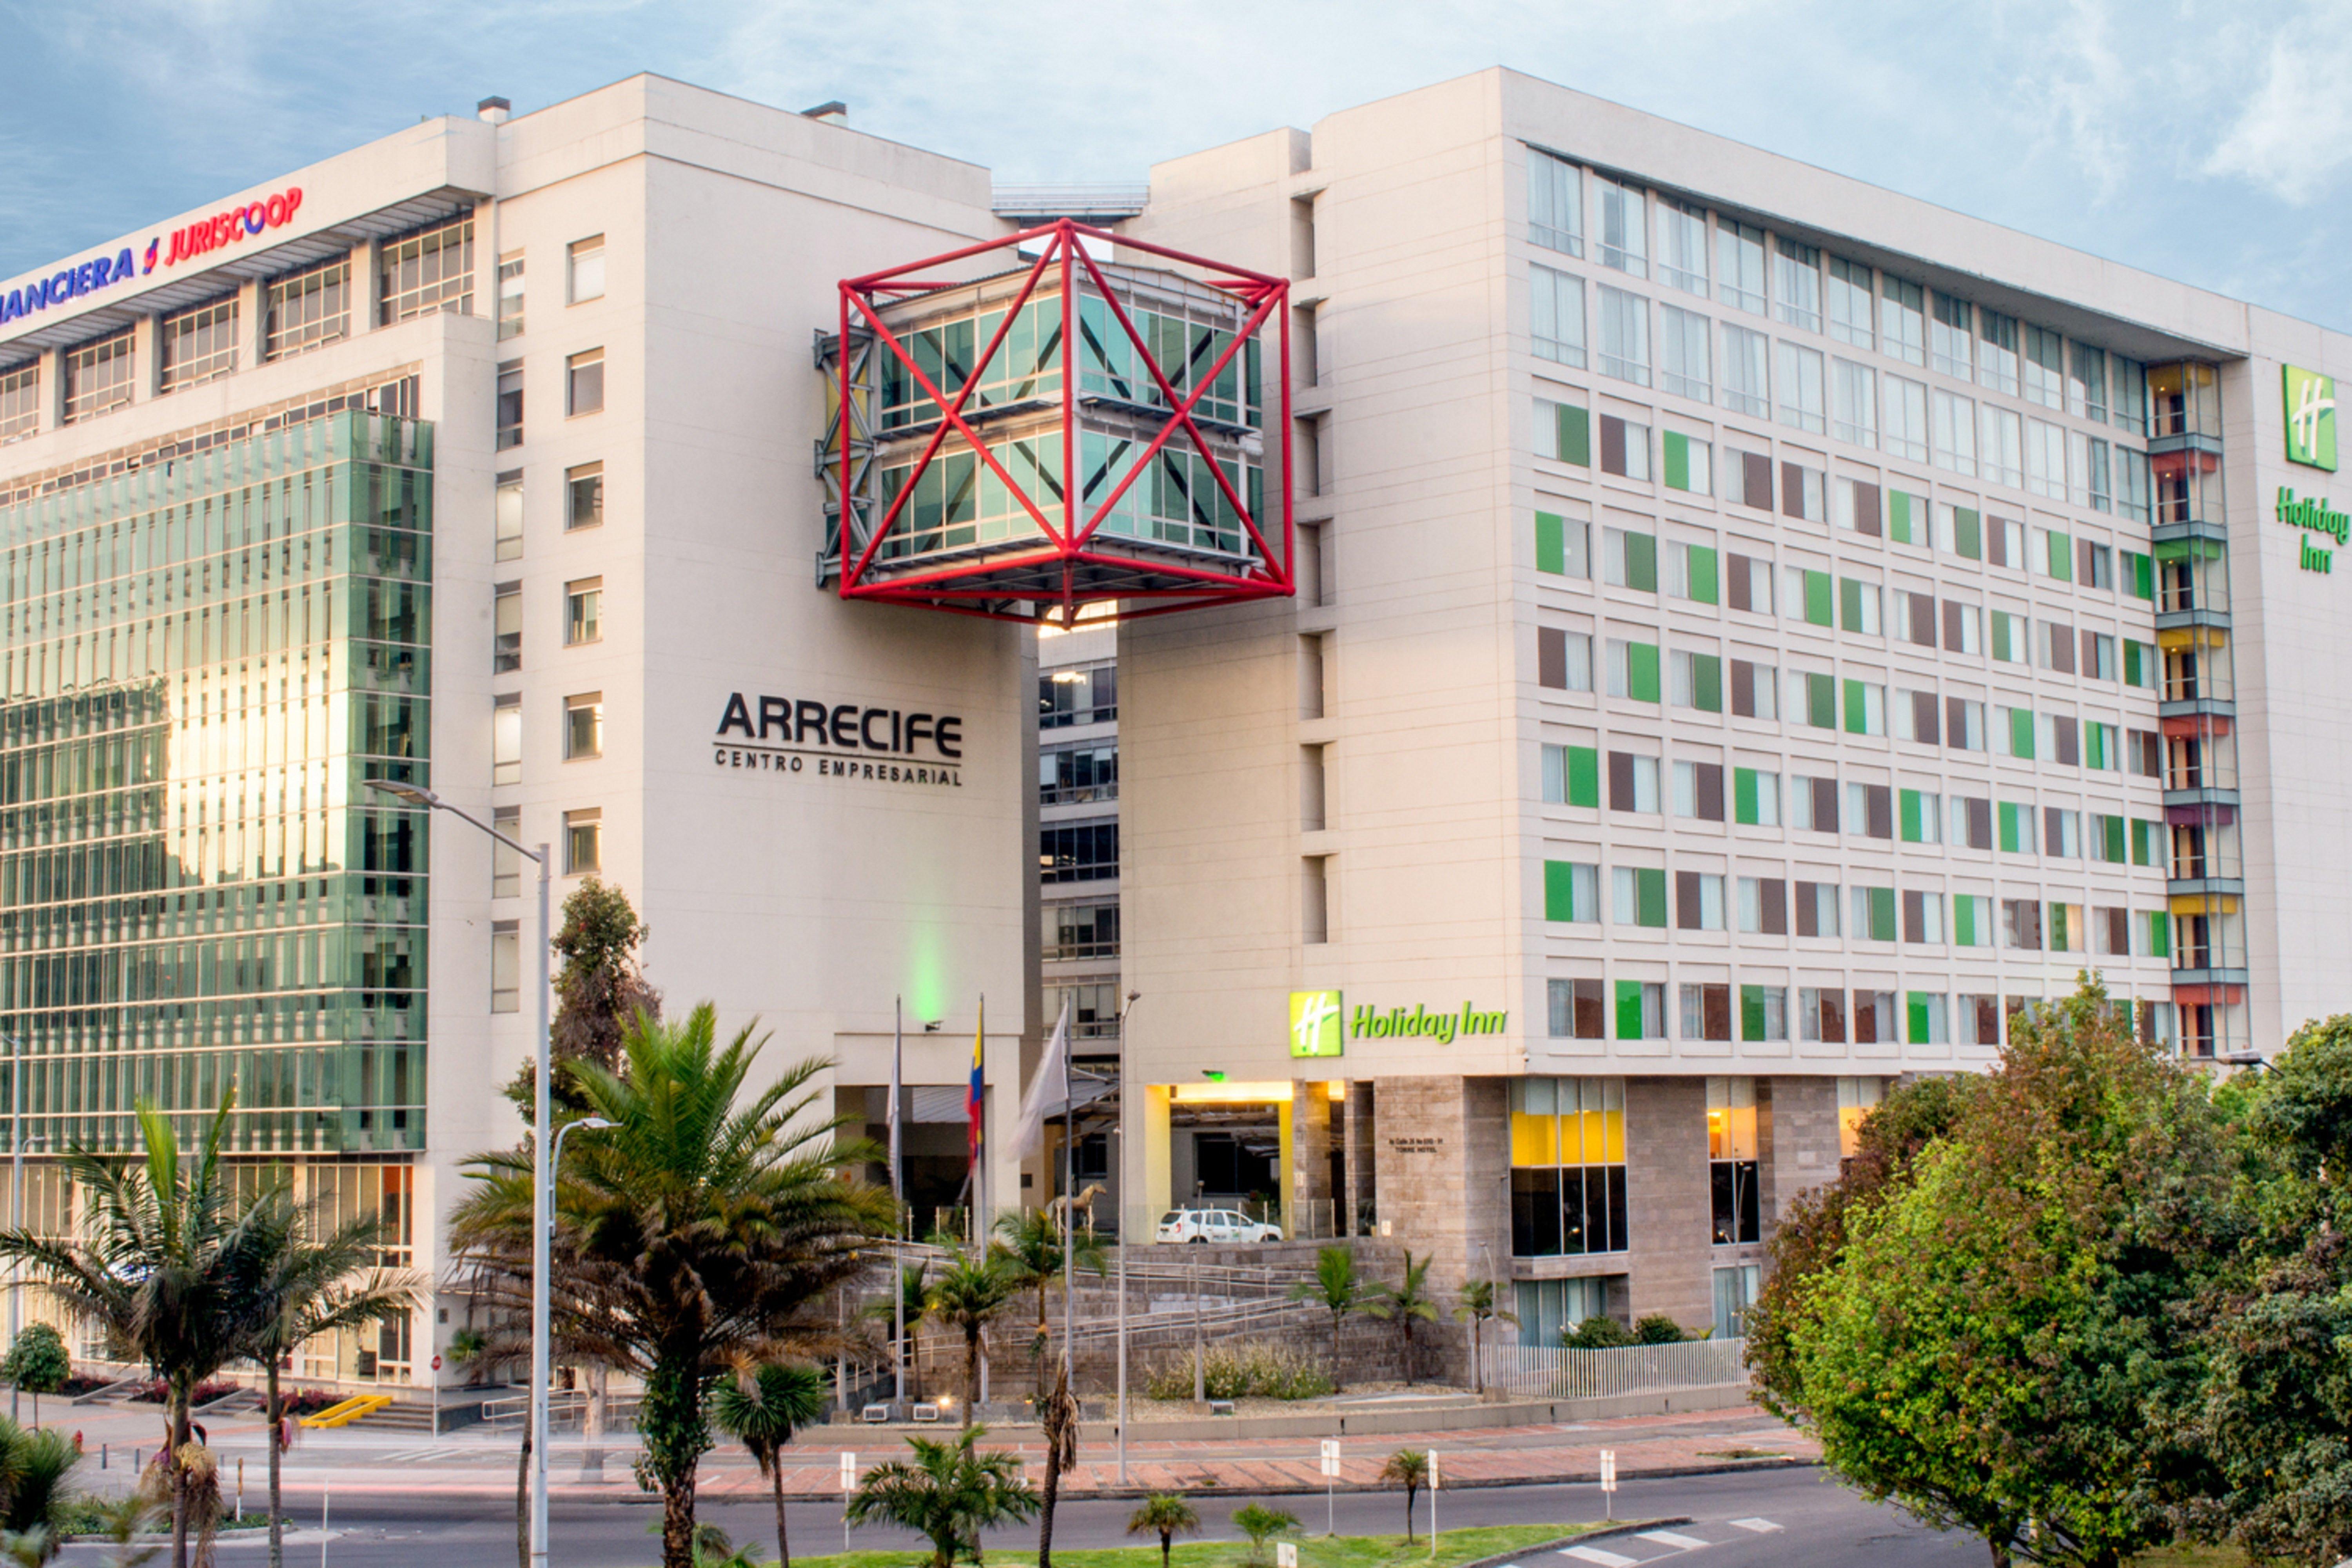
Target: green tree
{"x":705,"y":1226}
{"x":1404,"y":1305}
{"x":1991,"y":1343}
{"x":599,"y":989}
{"x":312,"y":1277}
{"x":1408,"y":1468}
{"x":761,"y":1409}
{"x":969,"y":1294}
{"x":1477,"y":1307}
{"x":948,"y":1493}
{"x":166,"y":1265}
{"x":914,"y":1301}
{"x":1165,"y":1515}
{"x":1337,"y":1289}
{"x":1030,"y":1245}
{"x":37,"y":1363}
{"x":1262,"y":1524}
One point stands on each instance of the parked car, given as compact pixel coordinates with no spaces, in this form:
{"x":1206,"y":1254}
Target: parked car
{"x":1215,"y":1225}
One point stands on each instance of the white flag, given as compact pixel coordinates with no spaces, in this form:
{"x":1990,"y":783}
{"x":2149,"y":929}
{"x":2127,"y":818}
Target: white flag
{"x":1049,"y":1090}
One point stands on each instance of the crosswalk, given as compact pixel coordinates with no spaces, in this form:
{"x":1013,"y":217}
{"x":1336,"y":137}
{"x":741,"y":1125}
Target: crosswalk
{"x":1642,"y":1546}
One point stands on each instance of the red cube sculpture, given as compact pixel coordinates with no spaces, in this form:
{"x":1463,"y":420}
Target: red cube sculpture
{"x":1062,"y":433}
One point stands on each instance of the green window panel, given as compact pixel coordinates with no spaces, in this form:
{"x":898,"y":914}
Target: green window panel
{"x":1628,"y":1010}
{"x":2061,"y":939}
{"x":1677,"y":450}
{"x":1700,"y":570}
{"x":1561,"y":878}
{"x":1641,"y":671}
{"x":1915,"y":1008}
{"x":1751,"y":1012}
{"x":1642,"y":562}
{"x":2144,"y":841}
{"x":1912,"y":803}
{"x":2139,"y":664}
{"x":2021,"y":733}
{"x":2110,"y":830}
{"x":1971,"y":920}
{"x":2061,"y":552}
{"x":2016,"y":828}
{"x":2140,"y":576}
{"x":2099,"y":745}
{"x":1906,"y":518}
{"x":1584,"y":777}
{"x":1743,"y":796}
{"x":1968,"y":533}
{"x":1574,"y":435}
{"x":1551,"y":544}
{"x":2008,"y":633}
{"x":1859,"y":719}
{"x":1818,"y":610}
{"x":2160,"y":934}
{"x":1707,"y":682}
{"x":1650,"y":898}
{"x":1821,"y":702}
{"x":1850,"y":604}
{"x":1881,"y":913}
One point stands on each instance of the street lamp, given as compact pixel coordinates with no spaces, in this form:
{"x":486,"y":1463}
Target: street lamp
{"x":541,"y":1178}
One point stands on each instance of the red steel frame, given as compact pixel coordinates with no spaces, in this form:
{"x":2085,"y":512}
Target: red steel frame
{"x":967,"y":587}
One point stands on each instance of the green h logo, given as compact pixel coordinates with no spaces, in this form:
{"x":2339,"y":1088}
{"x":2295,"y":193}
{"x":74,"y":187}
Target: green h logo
{"x":2310,"y":418}
{"x":1314,"y":1023}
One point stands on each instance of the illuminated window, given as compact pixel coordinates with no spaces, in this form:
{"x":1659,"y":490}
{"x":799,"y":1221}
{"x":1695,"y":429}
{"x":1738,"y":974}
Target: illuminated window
{"x":1568,"y":1166}
{"x":587,"y":260}
{"x":584,"y":604}
{"x":583,"y":496}
{"x":583,"y":726}
{"x":583,"y":841}
{"x":1731,"y":1160}
{"x":1857,"y":1097}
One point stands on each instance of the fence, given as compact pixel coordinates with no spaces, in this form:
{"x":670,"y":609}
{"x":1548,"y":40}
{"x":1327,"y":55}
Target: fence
{"x":1544,"y":1372}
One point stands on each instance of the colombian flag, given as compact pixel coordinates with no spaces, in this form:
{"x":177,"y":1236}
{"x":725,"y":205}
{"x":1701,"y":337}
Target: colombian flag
{"x":976,"y":1096}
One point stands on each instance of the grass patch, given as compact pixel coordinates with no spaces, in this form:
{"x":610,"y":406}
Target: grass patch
{"x":2187,"y":1556}
{"x":1741,"y":1454}
{"x":1455,"y":1547}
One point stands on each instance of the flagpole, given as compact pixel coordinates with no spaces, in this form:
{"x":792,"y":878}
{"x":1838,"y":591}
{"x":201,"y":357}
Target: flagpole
{"x":1069,"y":1196}
{"x":898,"y":1197}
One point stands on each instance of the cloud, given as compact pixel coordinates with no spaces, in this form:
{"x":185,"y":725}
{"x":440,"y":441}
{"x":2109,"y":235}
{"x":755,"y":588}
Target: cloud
{"x":2293,"y":134}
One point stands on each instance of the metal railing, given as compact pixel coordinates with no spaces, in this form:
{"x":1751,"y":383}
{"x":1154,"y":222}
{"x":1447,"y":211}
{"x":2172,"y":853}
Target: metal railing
{"x":567,"y":1411}
{"x":1544,"y":1372}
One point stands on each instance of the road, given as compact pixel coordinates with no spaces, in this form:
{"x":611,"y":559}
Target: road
{"x":1745,"y":1520}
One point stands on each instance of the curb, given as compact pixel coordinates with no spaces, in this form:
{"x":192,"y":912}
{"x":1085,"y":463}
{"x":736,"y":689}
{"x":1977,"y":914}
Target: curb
{"x":1626,"y":1527}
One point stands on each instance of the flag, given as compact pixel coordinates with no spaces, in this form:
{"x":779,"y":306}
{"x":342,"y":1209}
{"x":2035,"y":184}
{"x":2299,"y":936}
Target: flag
{"x":897,"y":1065}
{"x":1049,"y":1090}
{"x":975,"y":1096}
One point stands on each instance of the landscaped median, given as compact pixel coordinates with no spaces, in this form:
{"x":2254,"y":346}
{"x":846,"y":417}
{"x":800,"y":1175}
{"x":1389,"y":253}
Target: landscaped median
{"x":1488,"y":1546}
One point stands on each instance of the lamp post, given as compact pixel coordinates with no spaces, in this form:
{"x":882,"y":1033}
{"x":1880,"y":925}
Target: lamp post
{"x":541,"y":1170}
{"x":1125,"y":1240}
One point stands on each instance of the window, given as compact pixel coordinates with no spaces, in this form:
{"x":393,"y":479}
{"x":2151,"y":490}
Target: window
{"x":1705,"y":1011}
{"x":583,"y":382}
{"x":1820,"y":1015}
{"x":1948,"y":337}
{"x":1078,"y":851}
{"x":2054,"y":643}
{"x":1624,"y":448}
{"x":506,"y":514}
{"x":1629,"y":560}
{"x":2017,"y":826}
{"x":1804,"y":492}
{"x":583,"y":605}
{"x":1698,"y":901}
{"x":20,"y":402}
{"x":2086,"y":383}
{"x":506,"y":740}
{"x":1697,"y":682}
{"x":1764,"y":905}
{"x":1632,"y":783}
{"x":587,"y":259}
{"x":1902,"y":320}
{"x":1748,"y":581}
{"x":1080,"y":931}
{"x":1069,"y":775}
{"x":2095,"y":565}
{"x":1684,"y":367}
{"x":1922,"y":919}
{"x":1870,"y":810}
{"x":1739,"y":266}
{"x":1915,"y":718}
{"x":430,"y":270}
{"x":1996,"y":350}
{"x":98,"y":378}
{"x":1624,"y":336}
{"x":1555,"y":203}
{"x":1682,"y":246}
{"x":306,"y":310}
{"x":1854,"y":507}
{"x":1906,"y":419}
{"x":506,"y":861}
{"x":510,"y":295}
{"x":1571,"y":892}
{"x":1568,"y":1156}
{"x":1640,"y":1007}
{"x":509,"y":404}
{"x":506,"y":629}
{"x":1859,"y":606}
{"x":1737,"y":1288}
{"x":1803,"y":400}
{"x":1556,"y":316}
{"x":1763,"y":1012}
{"x":1698,"y":791}
{"x":1083,"y":694}
{"x":1691,"y":572}
{"x":1999,"y":446}
{"x":1874,"y":914}
{"x":1638,"y":897}
{"x":1747,"y":384}
{"x":198,"y":345}
{"x":1731,"y":1160}
{"x":1564,"y":431}
{"x":2046,"y":368}
{"x":1873,"y":1018}
{"x":1854,"y":402}
{"x":583,"y":496}
{"x":1563,"y":660}
{"x":1756,"y":798}
{"x":1622,"y":237}
{"x":1919,"y":815}
{"x":1797,"y":284}
{"x":584,"y":842}
{"x":1755,"y":690}
{"x":1633,"y":669}
{"x":1563,"y":548}
{"x":1809,"y":593}
{"x":583,"y":726}
{"x":506,"y":966}
{"x":1955,"y":426}
{"x":1817,"y":909}
{"x":2127,"y":388}
{"x":1572,"y":775}
{"x":1849,"y":302}
{"x":1972,"y":922}
{"x":1689,"y":463}
{"x":1914,"y":616}
{"x":2013,"y":733}
{"x":2020,"y":924}
{"x":1963,"y":627}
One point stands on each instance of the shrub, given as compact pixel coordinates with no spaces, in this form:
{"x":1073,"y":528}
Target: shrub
{"x":1263,"y":1371}
{"x":1261,"y":1524}
{"x":1598,"y":1332}
{"x":306,"y":1401}
{"x":1658,"y":1329}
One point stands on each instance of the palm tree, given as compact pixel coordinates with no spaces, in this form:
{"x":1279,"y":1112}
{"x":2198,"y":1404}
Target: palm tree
{"x":1163,"y":1514}
{"x":1408,"y":1467}
{"x":1405,"y":1305}
{"x":949,"y":1492}
{"x":1336,"y":1289}
{"x":968,"y":1296}
{"x":167,"y":1267}
{"x":1031,"y":1247}
{"x":913,"y":1297}
{"x":1057,"y":1414}
{"x":1262,"y":1524}
{"x":1475,"y":1309}
{"x":306,"y":1287}
{"x":706,"y":1227}
{"x":761,"y":1409}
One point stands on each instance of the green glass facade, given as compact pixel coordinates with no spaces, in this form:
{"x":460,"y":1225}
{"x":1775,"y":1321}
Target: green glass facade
{"x":202,"y":658}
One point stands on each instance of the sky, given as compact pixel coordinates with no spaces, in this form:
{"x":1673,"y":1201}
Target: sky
{"x":2211,"y":143}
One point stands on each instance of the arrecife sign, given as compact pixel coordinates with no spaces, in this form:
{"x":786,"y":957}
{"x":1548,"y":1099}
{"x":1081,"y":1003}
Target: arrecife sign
{"x":188,"y":243}
{"x":841,"y":739}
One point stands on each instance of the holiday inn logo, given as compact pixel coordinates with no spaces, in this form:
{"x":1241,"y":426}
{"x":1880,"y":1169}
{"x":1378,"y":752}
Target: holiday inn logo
{"x":2310,"y":418}
{"x":1315,"y":1017}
